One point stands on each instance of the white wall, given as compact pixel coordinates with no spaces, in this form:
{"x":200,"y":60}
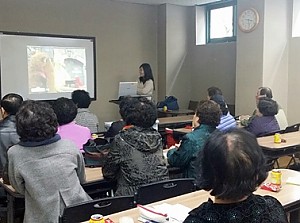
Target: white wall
{"x":191,"y":68}
{"x":130,"y":34}
{"x":126,"y":36}
{"x":264,"y":56}
{"x":277,"y":33}
{"x":249,"y":60}
{"x":177,"y":40}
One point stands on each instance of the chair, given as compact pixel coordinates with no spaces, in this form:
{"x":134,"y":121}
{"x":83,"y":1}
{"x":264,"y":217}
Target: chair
{"x":161,"y":190}
{"x":271,"y":133}
{"x":193,"y":105}
{"x":292,"y":128}
{"x":231,"y":109}
{"x":270,"y":162}
{"x":83,"y":211}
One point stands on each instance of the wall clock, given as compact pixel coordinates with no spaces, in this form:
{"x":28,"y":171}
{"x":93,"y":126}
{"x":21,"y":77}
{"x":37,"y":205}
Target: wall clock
{"x":248,"y":20}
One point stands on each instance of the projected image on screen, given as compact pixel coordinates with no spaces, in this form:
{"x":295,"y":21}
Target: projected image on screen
{"x":46,"y":67}
{"x":56,"y":69}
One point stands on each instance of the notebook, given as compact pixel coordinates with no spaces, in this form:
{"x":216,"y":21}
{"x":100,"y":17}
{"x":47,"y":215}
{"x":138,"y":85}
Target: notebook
{"x":127,"y":88}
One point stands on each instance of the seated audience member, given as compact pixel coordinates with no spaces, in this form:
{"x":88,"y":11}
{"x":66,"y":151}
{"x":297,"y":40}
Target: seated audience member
{"x":136,"y":155}
{"x":233,"y":167}
{"x":84,"y":117}
{"x":117,"y":126}
{"x":265,"y":92}
{"x":10,"y":104}
{"x":212,"y":91}
{"x":48,"y":171}
{"x":206,"y":119}
{"x":264,"y":121}
{"x":66,"y":111}
{"x":227,"y":120}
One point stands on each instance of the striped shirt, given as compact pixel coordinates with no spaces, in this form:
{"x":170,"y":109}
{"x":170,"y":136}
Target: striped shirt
{"x":227,"y":122}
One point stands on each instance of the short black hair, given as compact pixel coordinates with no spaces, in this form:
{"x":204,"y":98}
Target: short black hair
{"x":265,"y":91}
{"x":141,"y":112}
{"x":11,"y":103}
{"x":81,"y":98}
{"x":36,"y":121}
{"x":267,"y":106}
{"x":124,"y":105}
{"x":219,"y":99}
{"x":209,"y":113}
{"x":65,"y":110}
{"x":211,"y":91}
{"x":233,"y":164}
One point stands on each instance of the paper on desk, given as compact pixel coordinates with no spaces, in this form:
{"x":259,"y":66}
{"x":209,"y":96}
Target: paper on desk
{"x":293,"y":180}
{"x":176,"y":213}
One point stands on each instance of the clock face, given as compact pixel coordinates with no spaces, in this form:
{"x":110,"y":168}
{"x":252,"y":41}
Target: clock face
{"x":248,"y":20}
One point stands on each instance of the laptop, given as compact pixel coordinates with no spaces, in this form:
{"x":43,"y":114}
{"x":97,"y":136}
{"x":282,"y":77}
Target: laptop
{"x":127,"y":89}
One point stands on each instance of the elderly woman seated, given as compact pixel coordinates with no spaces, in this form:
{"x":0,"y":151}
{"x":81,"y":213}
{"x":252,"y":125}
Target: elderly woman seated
{"x":136,"y":156}
{"x":264,"y":122}
{"x":232,"y":166}
{"x":206,"y":119}
{"x":46,"y":169}
{"x":66,"y":111}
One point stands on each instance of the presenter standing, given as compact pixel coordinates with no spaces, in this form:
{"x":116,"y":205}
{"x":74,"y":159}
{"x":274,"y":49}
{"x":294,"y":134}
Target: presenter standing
{"x":145,"y":81}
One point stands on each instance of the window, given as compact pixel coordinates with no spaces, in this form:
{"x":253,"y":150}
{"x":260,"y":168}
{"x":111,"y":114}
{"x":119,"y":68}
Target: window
{"x":221,"y":22}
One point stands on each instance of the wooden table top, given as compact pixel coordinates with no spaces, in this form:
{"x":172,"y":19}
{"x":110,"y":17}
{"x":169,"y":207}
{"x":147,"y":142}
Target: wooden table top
{"x":177,"y":112}
{"x":292,"y":139}
{"x":93,"y":174}
{"x":289,"y":194}
{"x":175,"y":119}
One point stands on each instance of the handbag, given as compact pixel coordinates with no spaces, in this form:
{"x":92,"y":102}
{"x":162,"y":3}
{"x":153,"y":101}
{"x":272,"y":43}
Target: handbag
{"x":170,"y":102}
{"x":96,"y":151}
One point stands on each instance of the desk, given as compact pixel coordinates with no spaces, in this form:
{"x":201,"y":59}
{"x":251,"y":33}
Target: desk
{"x":94,"y":183}
{"x":174,"y":122}
{"x":276,"y":150}
{"x":289,"y":197}
{"x":117,"y":101}
{"x":176,"y":112}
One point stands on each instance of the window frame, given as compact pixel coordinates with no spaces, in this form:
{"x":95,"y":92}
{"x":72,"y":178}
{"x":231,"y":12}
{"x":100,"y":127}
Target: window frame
{"x":219,"y":5}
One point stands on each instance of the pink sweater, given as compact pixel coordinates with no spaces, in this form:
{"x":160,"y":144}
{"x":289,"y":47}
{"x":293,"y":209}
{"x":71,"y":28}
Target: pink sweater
{"x":76,"y":133}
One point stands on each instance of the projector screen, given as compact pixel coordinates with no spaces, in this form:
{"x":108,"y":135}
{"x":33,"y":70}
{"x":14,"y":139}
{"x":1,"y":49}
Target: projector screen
{"x":46,"y":67}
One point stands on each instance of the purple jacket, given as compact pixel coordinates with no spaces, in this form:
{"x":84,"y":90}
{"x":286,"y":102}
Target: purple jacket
{"x":261,"y":125}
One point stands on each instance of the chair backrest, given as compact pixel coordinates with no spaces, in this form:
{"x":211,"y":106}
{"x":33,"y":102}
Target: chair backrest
{"x":193,"y":105}
{"x":292,"y":128}
{"x":161,"y":190}
{"x":271,"y":133}
{"x":231,"y":109}
{"x":83,"y":211}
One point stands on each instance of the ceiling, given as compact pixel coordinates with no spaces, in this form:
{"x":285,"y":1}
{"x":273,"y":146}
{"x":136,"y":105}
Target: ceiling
{"x":173,"y":2}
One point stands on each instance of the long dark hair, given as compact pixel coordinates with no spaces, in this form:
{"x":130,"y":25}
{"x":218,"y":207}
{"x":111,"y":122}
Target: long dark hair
{"x":147,"y":74}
